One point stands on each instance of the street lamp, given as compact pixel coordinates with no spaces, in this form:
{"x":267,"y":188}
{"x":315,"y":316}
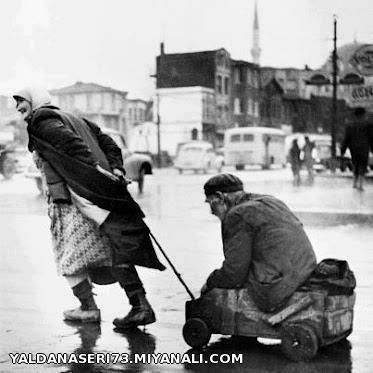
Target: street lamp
{"x":320,"y":80}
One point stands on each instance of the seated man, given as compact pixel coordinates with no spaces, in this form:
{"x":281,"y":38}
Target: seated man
{"x":265,"y":247}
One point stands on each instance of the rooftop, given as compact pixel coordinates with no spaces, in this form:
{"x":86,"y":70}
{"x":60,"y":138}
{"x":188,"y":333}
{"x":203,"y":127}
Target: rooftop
{"x":81,"y":87}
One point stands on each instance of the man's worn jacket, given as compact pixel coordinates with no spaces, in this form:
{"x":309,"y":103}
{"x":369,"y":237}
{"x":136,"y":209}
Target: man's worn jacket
{"x":265,"y":249}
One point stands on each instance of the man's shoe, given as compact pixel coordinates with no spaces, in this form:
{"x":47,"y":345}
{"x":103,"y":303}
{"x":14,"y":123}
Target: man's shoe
{"x":83,"y":316}
{"x":140,"y":314}
{"x":136,"y":317}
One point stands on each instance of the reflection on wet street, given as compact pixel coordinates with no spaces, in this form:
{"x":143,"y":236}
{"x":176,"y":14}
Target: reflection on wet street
{"x":32,"y":296}
{"x":266,"y":359}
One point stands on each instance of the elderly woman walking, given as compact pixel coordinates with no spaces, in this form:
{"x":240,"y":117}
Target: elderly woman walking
{"x":97,"y":228}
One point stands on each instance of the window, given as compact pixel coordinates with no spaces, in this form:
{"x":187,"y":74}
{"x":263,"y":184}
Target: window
{"x":238,"y":75}
{"x":255,"y":79}
{"x":220,"y":84}
{"x":249,"y":103}
{"x":249,"y":78}
{"x":226,"y":85}
{"x":194,"y":134}
{"x":235,"y":138}
{"x":247,"y":137}
{"x":256,"y":110}
{"x":291,"y":85}
{"x":241,"y":106}
{"x":130,"y":113}
{"x":238,"y":106}
{"x":113,"y":106}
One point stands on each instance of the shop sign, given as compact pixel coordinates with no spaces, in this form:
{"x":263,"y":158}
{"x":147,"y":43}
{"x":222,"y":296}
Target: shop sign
{"x":363,"y":95}
{"x":362,"y":60}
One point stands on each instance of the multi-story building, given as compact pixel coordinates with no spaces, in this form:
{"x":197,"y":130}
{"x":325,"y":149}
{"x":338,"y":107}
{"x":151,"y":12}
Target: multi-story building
{"x":136,"y":111}
{"x":187,"y":113}
{"x":104,"y":105}
{"x":245,"y":97}
{"x":293,"y":81}
{"x":230,"y":90}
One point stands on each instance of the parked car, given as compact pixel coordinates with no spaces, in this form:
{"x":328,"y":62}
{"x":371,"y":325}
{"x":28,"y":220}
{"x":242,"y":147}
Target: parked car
{"x":22,"y":158}
{"x":7,"y":163}
{"x":196,"y":156}
{"x":136,"y":165}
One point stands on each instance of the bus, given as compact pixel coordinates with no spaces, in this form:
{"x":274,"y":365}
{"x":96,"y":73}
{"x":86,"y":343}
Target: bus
{"x":263,"y":146}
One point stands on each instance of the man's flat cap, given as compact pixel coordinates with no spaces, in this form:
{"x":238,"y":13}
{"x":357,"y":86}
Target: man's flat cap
{"x":225,"y":183}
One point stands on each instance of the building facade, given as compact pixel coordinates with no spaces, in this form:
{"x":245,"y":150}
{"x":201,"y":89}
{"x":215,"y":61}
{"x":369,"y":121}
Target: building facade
{"x":246,"y":94}
{"x":354,"y":62}
{"x":104,"y":105}
{"x":231,"y":89}
{"x":293,"y":81}
{"x":186,"y":113}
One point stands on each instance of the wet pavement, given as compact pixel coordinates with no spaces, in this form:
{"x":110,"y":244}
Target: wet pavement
{"x":32,"y":297}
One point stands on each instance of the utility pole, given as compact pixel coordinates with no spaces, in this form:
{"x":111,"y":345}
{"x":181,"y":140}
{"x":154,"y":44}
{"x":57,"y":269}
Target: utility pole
{"x":156,"y":76}
{"x":334,"y":100}
{"x":320,"y":80}
{"x":159,"y":156}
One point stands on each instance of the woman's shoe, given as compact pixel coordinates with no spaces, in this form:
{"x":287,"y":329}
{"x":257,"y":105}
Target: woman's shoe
{"x":83,"y":316}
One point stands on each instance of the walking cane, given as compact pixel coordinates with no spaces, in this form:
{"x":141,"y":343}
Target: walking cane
{"x":125,"y":182}
{"x":172,"y":266}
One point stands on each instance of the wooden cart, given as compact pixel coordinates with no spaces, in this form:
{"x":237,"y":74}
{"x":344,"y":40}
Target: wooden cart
{"x":309,"y":320}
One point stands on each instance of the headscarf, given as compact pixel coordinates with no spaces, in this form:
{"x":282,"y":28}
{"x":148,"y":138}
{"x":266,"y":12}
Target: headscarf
{"x":36,"y":96}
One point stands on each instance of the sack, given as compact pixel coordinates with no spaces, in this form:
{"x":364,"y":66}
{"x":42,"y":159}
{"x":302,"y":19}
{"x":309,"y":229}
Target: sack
{"x":332,"y":275}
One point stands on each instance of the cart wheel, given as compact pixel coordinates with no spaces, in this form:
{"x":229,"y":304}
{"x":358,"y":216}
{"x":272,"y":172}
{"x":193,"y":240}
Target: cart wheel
{"x":299,"y":342}
{"x":196,"y":333}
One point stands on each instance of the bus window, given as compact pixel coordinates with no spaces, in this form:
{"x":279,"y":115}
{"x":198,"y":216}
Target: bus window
{"x":248,"y":137}
{"x":235,"y":138}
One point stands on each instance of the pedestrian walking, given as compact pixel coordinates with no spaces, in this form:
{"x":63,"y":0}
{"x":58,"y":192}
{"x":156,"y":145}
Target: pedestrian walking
{"x":266,"y":249}
{"x":295,"y":162}
{"x":358,"y":140}
{"x":97,"y":228}
{"x":308,"y":158}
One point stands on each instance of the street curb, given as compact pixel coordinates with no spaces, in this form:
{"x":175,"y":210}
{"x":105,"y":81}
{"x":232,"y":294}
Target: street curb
{"x":333,"y":218}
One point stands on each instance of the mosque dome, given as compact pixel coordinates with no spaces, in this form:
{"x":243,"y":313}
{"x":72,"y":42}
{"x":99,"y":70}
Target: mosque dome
{"x":344,"y":53}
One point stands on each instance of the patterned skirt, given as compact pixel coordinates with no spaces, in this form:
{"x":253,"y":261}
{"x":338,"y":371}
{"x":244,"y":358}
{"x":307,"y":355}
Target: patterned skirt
{"x":78,"y":243}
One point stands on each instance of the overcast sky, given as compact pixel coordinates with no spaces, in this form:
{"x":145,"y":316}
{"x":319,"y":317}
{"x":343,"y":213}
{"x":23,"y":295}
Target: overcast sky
{"x":115,"y":42}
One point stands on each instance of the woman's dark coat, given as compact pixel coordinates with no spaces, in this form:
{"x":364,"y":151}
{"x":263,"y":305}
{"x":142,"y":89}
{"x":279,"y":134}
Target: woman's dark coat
{"x":73,"y":147}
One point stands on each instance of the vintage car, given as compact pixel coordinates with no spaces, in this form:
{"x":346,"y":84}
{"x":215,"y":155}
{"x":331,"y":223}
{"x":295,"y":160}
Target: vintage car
{"x":7,"y":162}
{"x":136,"y":165}
{"x":197,"y":156}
